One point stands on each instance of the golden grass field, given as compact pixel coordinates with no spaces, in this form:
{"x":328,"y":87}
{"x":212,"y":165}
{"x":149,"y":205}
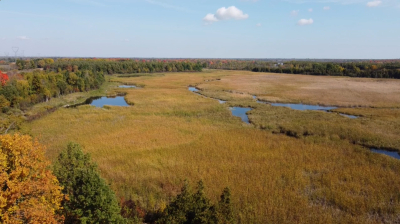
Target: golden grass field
{"x":323,"y":90}
{"x":170,"y":134}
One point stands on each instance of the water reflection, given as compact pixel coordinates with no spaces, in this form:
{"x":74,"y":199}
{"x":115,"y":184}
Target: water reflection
{"x":128,"y":86}
{"x":241,"y":112}
{"x":193,"y":89}
{"x":101,"y":101}
{"x":300,"y":106}
{"x":388,"y":153}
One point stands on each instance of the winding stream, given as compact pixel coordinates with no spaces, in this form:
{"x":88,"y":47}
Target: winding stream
{"x":241,"y":112}
{"x":302,"y":107}
{"x":128,"y":86}
{"x":236,"y":111}
{"x":395,"y":155}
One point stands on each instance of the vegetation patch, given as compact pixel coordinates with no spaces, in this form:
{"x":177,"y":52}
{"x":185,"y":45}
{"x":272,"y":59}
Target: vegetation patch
{"x":171,"y":134}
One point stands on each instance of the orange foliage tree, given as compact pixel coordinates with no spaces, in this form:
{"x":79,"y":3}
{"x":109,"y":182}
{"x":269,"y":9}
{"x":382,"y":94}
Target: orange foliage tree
{"x":29,"y":193}
{"x":3,"y":78}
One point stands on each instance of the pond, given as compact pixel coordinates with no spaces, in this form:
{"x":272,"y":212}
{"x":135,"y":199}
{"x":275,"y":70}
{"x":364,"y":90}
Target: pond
{"x":128,"y":86}
{"x":395,"y":155}
{"x":193,"y":89}
{"x":101,"y":101}
{"x":241,"y":112}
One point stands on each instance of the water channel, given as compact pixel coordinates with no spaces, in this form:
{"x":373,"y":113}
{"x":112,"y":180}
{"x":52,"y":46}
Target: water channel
{"x":128,"y":86}
{"x":395,"y":155}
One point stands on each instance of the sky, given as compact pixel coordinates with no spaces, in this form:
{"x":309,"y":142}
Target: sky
{"x":336,"y":29}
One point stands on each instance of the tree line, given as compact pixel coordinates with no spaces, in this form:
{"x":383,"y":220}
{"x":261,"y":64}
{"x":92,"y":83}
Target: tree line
{"x":72,"y":191}
{"x":112,"y":66}
{"x":380,"y":69}
{"x":25,"y":89}
{"x":371,"y":69}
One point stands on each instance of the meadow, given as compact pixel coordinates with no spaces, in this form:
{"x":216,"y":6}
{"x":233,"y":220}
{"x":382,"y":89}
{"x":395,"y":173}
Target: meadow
{"x":285,"y":167}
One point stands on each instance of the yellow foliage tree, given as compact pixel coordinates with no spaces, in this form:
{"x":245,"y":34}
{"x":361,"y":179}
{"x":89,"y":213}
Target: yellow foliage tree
{"x":29,"y":193}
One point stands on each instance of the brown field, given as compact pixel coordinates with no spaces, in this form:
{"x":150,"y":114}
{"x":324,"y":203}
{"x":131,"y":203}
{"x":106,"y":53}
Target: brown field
{"x":170,"y":134}
{"x":323,"y":90}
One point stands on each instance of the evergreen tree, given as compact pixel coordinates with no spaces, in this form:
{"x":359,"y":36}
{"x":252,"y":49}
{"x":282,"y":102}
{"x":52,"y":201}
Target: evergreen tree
{"x":90,"y":199}
{"x":224,"y":210}
{"x":188,"y":208}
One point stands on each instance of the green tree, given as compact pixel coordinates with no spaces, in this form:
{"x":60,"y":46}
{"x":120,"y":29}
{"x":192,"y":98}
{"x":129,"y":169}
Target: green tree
{"x":189,"y":208}
{"x":4,"y":102}
{"x":91,"y":200}
{"x":224,"y":209}
{"x":72,"y":78}
{"x":41,"y":63}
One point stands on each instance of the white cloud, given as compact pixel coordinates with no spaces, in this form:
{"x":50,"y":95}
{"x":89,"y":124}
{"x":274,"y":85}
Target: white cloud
{"x":210,"y":18}
{"x":225,"y":14}
{"x":326,"y":8}
{"x":294,"y":12}
{"x":230,"y":13}
{"x":258,"y":24}
{"x":3,"y":38}
{"x":126,"y":40}
{"x":310,"y":10}
{"x":23,"y":38}
{"x":304,"y":22}
{"x":374,"y":3}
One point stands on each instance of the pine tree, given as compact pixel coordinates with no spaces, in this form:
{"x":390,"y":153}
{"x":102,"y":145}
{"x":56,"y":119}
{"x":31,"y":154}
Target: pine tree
{"x":189,"y":208}
{"x":224,"y":210}
{"x":201,"y":211}
{"x":90,"y":199}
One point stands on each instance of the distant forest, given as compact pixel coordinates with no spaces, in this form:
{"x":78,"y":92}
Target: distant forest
{"x":113,"y":66}
{"x":370,"y":69}
{"x":352,"y":68}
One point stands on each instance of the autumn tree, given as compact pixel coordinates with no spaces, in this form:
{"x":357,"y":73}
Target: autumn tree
{"x":29,"y":193}
{"x":3,"y":78}
{"x":91,"y":200}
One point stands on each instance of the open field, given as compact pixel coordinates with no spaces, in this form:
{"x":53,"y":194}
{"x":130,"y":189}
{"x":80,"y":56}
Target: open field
{"x":170,"y":134}
{"x":323,"y":90}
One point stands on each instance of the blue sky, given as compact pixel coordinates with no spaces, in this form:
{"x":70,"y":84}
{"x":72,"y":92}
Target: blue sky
{"x":202,"y":28}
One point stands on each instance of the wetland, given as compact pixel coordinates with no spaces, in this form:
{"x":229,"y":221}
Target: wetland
{"x":287,"y":166}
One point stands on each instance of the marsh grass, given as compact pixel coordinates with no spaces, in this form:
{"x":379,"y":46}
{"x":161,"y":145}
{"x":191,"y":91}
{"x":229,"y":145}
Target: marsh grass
{"x":307,"y":89}
{"x":170,"y":134}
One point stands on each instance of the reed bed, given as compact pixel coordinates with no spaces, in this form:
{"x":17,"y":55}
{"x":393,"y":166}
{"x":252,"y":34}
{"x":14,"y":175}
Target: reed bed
{"x":170,"y":134}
